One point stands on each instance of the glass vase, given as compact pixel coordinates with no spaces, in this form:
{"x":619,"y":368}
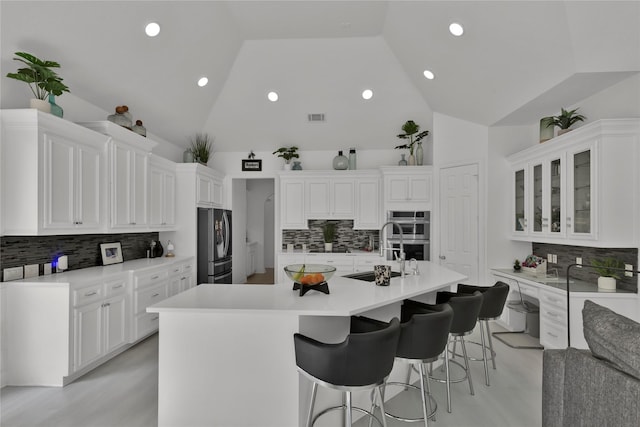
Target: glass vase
{"x":402,"y":161}
{"x":56,"y":110}
{"x":419,"y":154}
{"x":340,"y":162}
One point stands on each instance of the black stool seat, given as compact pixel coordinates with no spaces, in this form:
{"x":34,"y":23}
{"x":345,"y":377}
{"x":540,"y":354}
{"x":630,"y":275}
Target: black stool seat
{"x":424,"y":332}
{"x":362,"y":361}
{"x":493,"y":302}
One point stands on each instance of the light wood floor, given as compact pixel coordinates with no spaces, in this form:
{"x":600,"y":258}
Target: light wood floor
{"x":265,"y":278}
{"x":124,"y":391}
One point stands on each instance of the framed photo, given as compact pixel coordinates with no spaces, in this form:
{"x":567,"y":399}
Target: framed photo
{"x":111,"y":253}
{"x":252,"y":165}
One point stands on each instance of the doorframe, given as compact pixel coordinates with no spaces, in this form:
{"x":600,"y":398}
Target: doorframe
{"x":482,"y":216}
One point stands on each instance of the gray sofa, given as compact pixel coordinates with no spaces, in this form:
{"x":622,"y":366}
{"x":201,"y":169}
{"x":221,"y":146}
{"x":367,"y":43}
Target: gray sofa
{"x":596,"y":387}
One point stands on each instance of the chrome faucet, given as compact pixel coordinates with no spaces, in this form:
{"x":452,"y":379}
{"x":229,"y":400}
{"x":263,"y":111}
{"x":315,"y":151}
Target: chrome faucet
{"x":414,"y":270}
{"x":401,"y":257}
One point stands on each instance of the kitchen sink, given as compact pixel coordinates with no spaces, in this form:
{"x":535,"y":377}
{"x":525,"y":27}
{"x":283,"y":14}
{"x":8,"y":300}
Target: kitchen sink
{"x":367,"y":276}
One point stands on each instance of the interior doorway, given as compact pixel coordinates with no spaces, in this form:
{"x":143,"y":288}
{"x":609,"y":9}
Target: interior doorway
{"x":459,"y":220}
{"x":260,"y":229}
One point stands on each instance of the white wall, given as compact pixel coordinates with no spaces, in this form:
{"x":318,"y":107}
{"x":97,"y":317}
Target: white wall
{"x":239,"y":229}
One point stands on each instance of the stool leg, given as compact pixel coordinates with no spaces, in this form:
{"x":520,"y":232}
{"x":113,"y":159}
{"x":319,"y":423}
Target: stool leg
{"x":347,"y":414}
{"x":382,"y":410}
{"x":314,"y":390}
{"x":425,"y":413}
{"x":484,"y":353}
{"x":408,"y":377}
{"x":429,"y":400}
{"x":466,"y":365}
{"x":493,"y":358}
{"x":446,"y":367}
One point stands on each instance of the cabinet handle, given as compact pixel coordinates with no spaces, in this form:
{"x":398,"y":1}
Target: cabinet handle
{"x":154,"y":277}
{"x":183,"y":278}
{"x":187,"y":267}
{"x":88,"y":294}
{"x":155,"y":295}
{"x":553,"y":335}
{"x":553,"y":299}
{"x":106,"y":304}
{"x":552,"y":314}
{"x":153,"y":319}
{"x":118,"y":286}
{"x":176,"y":270}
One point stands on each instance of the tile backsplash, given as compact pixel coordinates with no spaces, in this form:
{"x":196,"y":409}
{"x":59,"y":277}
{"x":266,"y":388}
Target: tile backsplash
{"x":83,"y":250}
{"x":567,"y":255}
{"x":346,"y":236}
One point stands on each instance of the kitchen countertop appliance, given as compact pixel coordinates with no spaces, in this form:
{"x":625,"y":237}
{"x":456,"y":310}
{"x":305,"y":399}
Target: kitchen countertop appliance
{"x":416,"y":231}
{"x":214,"y":246}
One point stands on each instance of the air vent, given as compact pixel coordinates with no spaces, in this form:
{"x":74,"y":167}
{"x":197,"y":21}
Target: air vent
{"x":315,"y":117}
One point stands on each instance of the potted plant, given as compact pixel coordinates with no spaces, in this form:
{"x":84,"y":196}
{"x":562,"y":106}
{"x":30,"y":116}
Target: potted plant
{"x":516,"y":266}
{"x":40,"y":77}
{"x":565,"y":120}
{"x":287,"y":153}
{"x":329,"y":233}
{"x":412,"y":133}
{"x":606,"y":268}
{"x":201,"y":148}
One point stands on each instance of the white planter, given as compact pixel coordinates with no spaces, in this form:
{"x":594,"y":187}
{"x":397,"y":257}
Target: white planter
{"x":287,"y":166}
{"x":40,"y":104}
{"x":607,"y":283}
{"x":328,"y":247}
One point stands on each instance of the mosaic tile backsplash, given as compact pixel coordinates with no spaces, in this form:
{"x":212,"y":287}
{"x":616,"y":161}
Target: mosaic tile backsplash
{"x":83,"y":250}
{"x":567,"y":255}
{"x":346,"y":236}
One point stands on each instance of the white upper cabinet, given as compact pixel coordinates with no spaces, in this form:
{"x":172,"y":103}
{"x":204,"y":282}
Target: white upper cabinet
{"x":408,"y":187}
{"x":580,"y":188}
{"x":292,"y":203}
{"x":128,"y":176}
{"x":53,"y":175}
{"x":330,"y":198}
{"x":368,"y":207}
{"x":162,"y":193}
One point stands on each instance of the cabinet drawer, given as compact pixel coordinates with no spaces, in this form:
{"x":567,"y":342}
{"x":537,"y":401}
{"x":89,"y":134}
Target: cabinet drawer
{"x":342,"y":263}
{"x":115,"y":287}
{"x":146,"y":323}
{"x":147,"y":297}
{"x":553,"y":315}
{"x":88,"y":295}
{"x":175,"y":270}
{"x":367,"y":263}
{"x":150,"y":279}
{"x":527,"y":290}
{"x":551,"y":299}
{"x":552,"y":335}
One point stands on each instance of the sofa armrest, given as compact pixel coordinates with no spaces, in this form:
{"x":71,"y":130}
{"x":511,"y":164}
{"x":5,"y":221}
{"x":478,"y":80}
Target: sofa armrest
{"x":553,"y":363}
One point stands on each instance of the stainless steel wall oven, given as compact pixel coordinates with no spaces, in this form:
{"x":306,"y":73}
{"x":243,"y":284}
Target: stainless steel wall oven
{"x":416,"y":232}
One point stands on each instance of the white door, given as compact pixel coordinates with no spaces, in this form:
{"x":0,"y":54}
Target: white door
{"x":459,"y":220}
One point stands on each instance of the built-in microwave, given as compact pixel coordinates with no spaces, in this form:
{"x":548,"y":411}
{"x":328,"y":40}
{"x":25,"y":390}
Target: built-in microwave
{"x":414,"y":225}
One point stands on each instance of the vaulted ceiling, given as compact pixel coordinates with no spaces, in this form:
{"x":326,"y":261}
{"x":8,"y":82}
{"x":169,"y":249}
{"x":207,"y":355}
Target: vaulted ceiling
{"x":516,"y":62}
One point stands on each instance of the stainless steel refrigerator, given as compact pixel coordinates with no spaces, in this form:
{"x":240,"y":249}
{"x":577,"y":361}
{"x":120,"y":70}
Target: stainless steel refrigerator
{"x":214,"y":246}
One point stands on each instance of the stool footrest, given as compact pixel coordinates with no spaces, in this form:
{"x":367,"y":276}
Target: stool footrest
{"x":430,"y":415}
{"x":344,"y":408}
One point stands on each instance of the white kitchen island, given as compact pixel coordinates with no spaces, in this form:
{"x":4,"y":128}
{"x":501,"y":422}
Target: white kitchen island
{"x":226,"y":355}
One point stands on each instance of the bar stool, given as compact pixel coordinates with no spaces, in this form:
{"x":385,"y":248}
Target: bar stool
{"x":493,"y":301}
{"x":362,"y":361}
{"x":465,"y":315}
{"x":424,"y":333}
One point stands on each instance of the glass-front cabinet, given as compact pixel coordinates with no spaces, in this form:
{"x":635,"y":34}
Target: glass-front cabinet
{"x":519,"y":225}
{"x":580,"y":218}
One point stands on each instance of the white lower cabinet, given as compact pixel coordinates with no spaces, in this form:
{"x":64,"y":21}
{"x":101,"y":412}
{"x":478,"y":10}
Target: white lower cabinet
{"x":148,"y":289}
{"x":100,"y":327}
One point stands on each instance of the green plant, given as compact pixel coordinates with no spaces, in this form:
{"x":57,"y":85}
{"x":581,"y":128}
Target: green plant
{"x":40,"y":77}
{"x":201,"y":147}
{"x":604,"y":267}
{"x":566,"y":119}
{"x":412,"y":133}
{"x":287,"y":153}
{"x":329,"y":231}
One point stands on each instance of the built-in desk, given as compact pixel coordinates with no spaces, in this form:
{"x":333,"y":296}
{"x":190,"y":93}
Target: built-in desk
{"x":226,"y":355}
{"x":551,"y":293}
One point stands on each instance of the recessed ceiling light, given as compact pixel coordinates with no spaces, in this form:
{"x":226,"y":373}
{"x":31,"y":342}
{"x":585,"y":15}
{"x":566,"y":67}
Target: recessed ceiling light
{"x":456,"y":29}
{"x":273,"y":96}
{"x":367,"y":94}
{"x":428,"y":74}
{"x":203,"y":81}
{"x":152,"y":29}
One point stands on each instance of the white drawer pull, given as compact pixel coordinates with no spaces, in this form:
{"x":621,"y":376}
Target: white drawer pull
{"x":89,"y":294}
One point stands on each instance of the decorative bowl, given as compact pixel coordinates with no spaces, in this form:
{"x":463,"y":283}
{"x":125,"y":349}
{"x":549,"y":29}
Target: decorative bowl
{"x":307,"y":277}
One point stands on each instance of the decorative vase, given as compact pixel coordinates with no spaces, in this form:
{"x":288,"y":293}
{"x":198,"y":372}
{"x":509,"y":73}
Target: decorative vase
{"x":187,"y":156}
{"x":340,"y":162}
{"x":287,"y":166}
{"x":296,"y":166}
{"x":40,"y":104}
{"x":352,"y":158}
{"x":607,"y":283}
{"x":412,"y":160}
{"x":328,"y":247}
{"x":402,"y":161}
{"x":419,"y":154}
{"x":139,"y":129}
{"x":546,"y":131}
{"x":121,"y":117}
{"x":56,"y":110}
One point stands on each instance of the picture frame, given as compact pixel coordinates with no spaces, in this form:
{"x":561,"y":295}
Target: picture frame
{"x":111,"y":253}
{"x":251,"y":165}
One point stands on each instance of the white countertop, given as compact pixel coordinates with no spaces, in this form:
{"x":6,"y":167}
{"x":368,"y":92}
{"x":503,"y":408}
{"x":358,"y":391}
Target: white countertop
{"x":347,"y":296}
{"x":353,"y":252}
{"x":100,"y":272}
